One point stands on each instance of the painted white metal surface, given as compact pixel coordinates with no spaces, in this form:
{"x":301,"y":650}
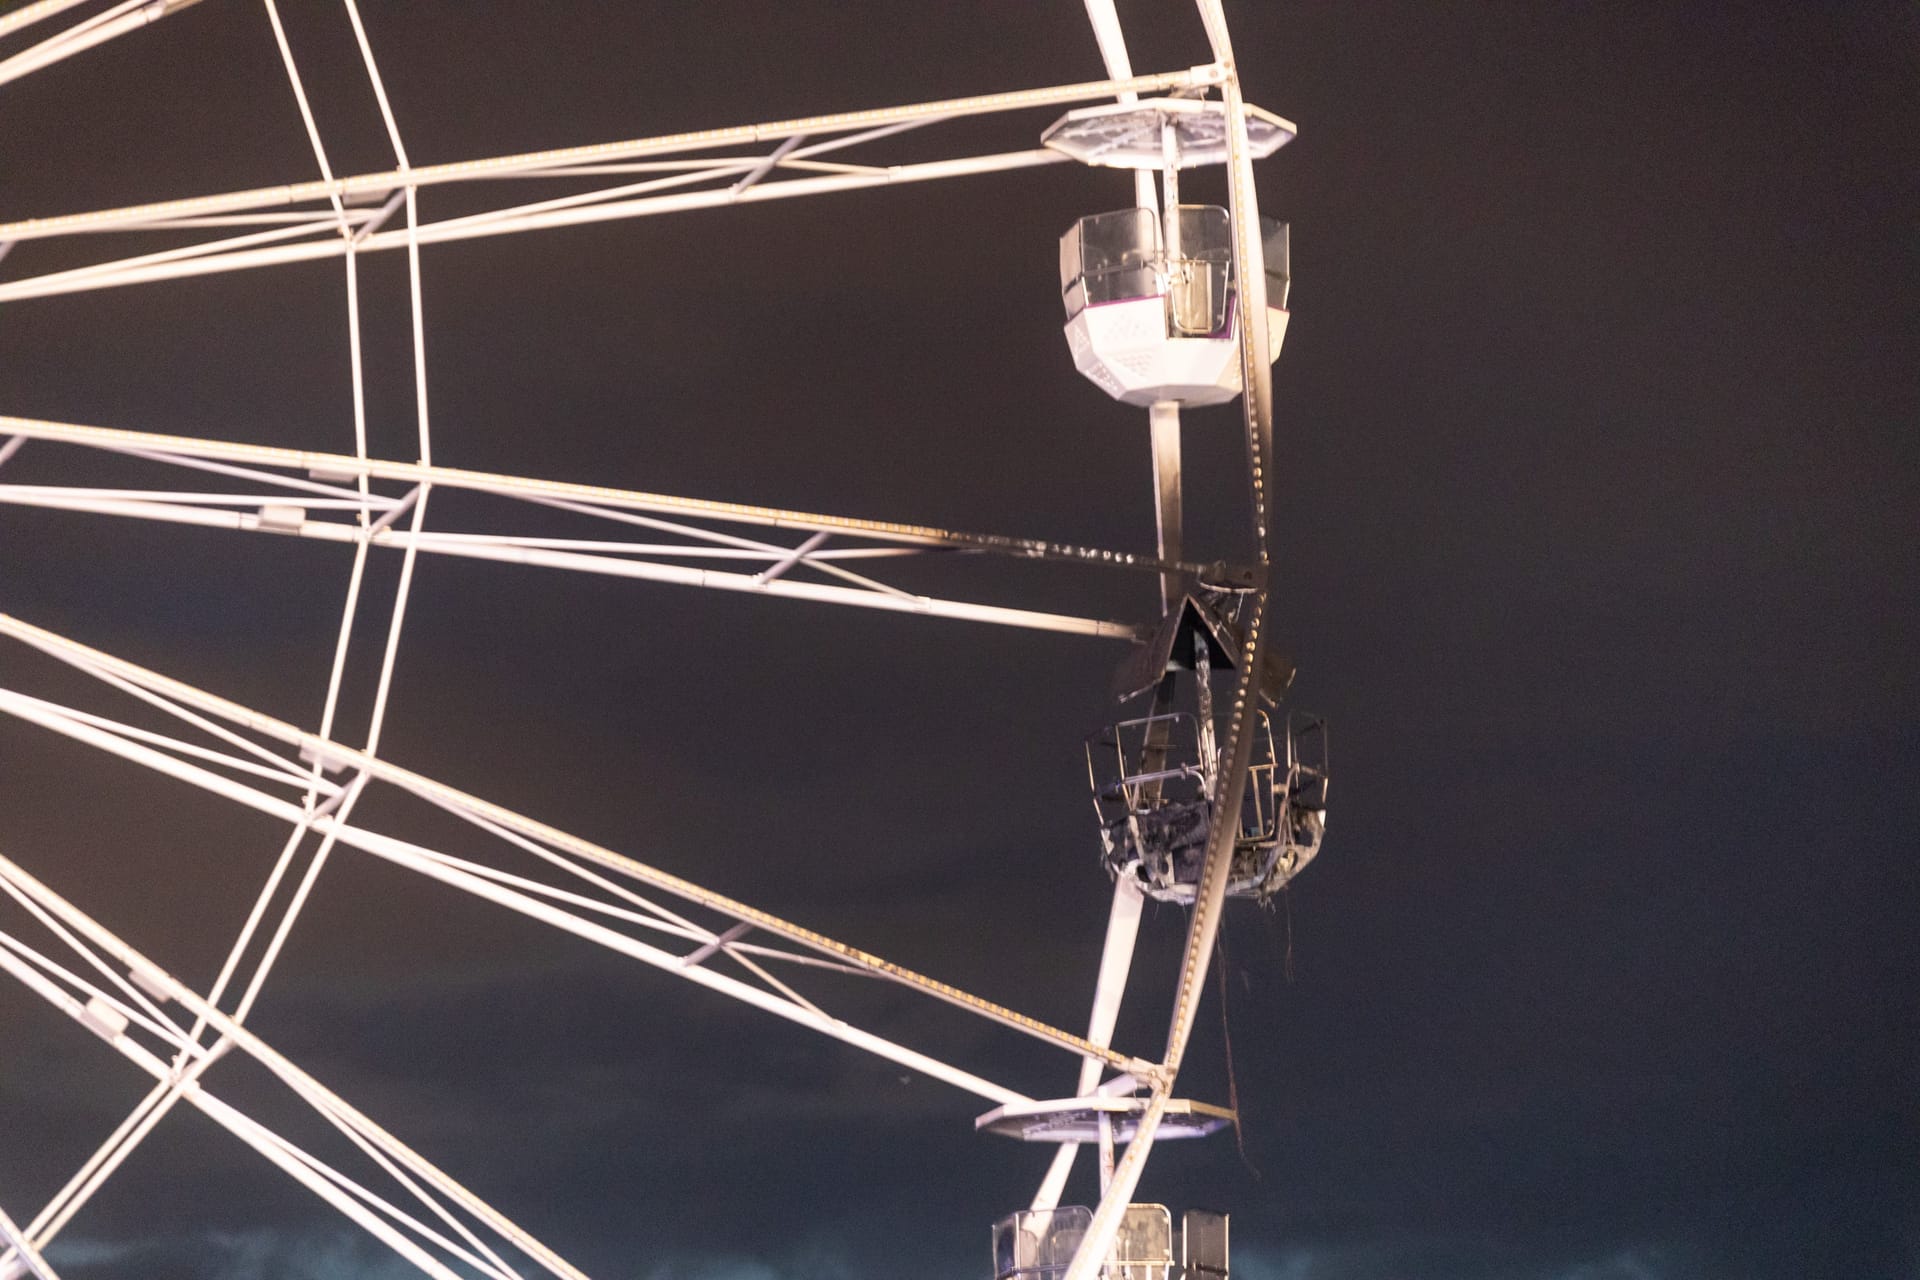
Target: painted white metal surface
{"x":116,"y":20}
{"x":332,"y":755}
{"x":588,"y":499}
{"x":331,"y":497}
{"x":1124,"y":349}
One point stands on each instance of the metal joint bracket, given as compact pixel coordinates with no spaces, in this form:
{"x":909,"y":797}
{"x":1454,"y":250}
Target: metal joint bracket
{"x":276,"y":517}
{"x":703,"y":953}
{"x":150,"y":979}
{"x":315,"y":752}
{"x":103,"y":1019}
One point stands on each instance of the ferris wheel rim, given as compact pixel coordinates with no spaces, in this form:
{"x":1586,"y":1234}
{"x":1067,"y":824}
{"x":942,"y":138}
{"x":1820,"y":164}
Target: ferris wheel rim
{"x":398,"y":188}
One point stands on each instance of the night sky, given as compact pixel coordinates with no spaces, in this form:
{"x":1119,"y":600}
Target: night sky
{"x":1599,"y":477}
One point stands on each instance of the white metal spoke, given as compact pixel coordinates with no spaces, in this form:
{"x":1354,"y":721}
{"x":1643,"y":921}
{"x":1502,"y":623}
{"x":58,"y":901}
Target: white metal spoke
{"x":117,"y":20}
{"x":684,"y":164}
{"x":353,"y":217}
{"x":1116,"y":962}
{"x":663,"y":145}
{"x":380,"y":1205}
{"x":309,"y":1089}
{"x":447,"y":871}
{"x":192,"y":259}
{"x":337,"y":755}
{"x":227,"y":1118}
{"x":97,"y":1015}
{"x":313,"y":783}
{"x":655,"y":916}
{"x":714,"y":537}
{"x":179,"y":712}
{"x":95,"y":994}
{"x":651,"y":914}
{"x":255,"y":916}
{"x":1095,"y":1247}
{"x":284,"y":775}
{"x":306,"y":112}
{"x":494,"y":1264}
{"x":584,"y":497}
{"x":596,"y":500}
{"x":344,"y":801}
{"x":379,"y":86}
{"x":74,"y":496}
{"x":205,"y":261}
{"x":150,"y":1013}
{"x":470,"y":225}
{"x":1113,"y":54}
{"x":846,"y":140}
{"x":685,"y":551}
{"x":869,"y":595}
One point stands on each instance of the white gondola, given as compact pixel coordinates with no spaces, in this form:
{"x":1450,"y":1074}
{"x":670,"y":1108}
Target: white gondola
{"x":1038,"y":1245}
{"x":1149,"y":300}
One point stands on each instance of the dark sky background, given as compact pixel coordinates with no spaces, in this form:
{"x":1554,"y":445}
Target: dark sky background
{"x":1598,"y":418}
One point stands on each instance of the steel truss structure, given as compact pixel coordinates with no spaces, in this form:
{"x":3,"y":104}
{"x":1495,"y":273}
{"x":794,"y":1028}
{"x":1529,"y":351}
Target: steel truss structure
{"x":312,"y":782}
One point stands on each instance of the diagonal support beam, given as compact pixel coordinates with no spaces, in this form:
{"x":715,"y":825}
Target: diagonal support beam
{"x":343,"y":467}
{"x":94,"y":31}
{"x":800,"y":553}
{"x":308,"y":1088}
{"x":768,"y":165}
{"x":27,"y":1259}
{"x":290,"y":521}
{"x":335,"y":754}
{"x":363,"y":1207}
{"x":701,"y":955}
{"x":632,"y":149}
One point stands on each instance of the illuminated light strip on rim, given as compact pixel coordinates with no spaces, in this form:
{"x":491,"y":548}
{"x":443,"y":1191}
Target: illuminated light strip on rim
{"x":1231,"y":781}
{"x":1257,"y":404}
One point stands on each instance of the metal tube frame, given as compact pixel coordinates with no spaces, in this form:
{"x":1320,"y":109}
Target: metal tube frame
{"x":273,"y":229}
{"x":102,"y":733}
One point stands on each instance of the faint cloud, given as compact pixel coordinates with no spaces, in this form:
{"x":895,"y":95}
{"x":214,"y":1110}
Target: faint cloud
{"x":1447,"y":1260}
{"x":346,"y":1255}
{"x":1629,"y":1264}
{"x":79,"y":1254}
{"x":245,"y":1255}
{"x":816,"y":1262}
{"x":332,"y":1257}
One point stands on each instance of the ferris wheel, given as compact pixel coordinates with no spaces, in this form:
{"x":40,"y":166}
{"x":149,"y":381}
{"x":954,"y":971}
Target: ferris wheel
{"x":1204,"y":787}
